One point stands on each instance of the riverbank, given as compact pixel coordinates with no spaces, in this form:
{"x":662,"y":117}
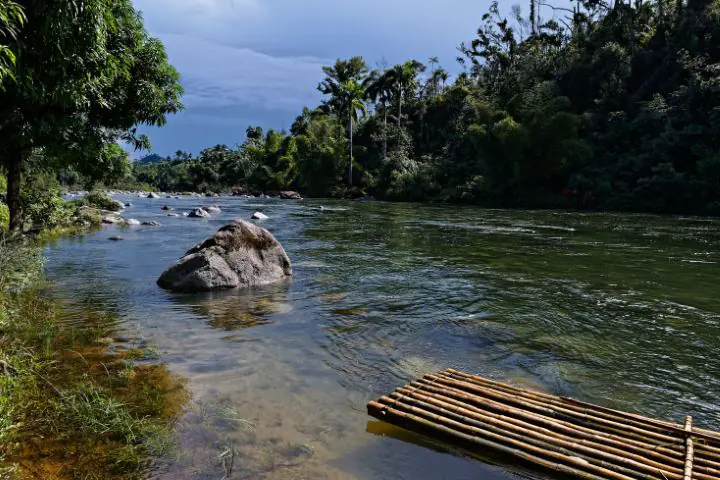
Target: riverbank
{"x":79,"y":398}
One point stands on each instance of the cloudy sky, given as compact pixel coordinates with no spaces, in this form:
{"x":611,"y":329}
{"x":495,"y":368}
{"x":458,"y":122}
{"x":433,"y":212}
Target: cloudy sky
{"x":258,"y":62}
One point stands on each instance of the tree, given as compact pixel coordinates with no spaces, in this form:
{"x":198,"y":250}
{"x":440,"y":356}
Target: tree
{"x":380,"y":90}
{"x":87,"y":73}
{"x":404,"y":80}
{"x":350,"y":97}
{"x":12,"y":18}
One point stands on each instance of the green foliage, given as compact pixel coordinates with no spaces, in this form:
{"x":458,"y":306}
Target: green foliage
{"x":611,"y":105}
{"x":90,"y":74}
{"x":45,"y":209}
{"x":3,"y":184}
{"x":4,"y":217}
{"x":99,"y":200}
{"x":12,"y":19}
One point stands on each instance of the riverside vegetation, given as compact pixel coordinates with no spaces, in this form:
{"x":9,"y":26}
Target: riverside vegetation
{"x":606,"y":105}
{"x":77,"y":400}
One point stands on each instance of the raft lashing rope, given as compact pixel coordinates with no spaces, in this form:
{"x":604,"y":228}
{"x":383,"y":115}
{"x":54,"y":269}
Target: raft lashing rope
{"x":557,"y":433}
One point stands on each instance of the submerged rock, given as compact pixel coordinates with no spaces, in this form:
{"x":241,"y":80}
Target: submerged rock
{"x":166,"y":208}
{"x":128,"y":204}
{"x":173,"y":214}
{"x":116,"y":239}
{"x":198,"y":213}
{"x":239,"y":255}
{"x":259,"y":216}
{"x":290,"y":195}
{"x":151,"y":223}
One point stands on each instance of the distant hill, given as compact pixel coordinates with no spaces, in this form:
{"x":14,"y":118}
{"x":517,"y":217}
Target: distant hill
{"x":152,"y":158}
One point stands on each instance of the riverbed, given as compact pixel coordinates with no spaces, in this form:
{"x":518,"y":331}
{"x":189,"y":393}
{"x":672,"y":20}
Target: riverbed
{"x":620,"y":310}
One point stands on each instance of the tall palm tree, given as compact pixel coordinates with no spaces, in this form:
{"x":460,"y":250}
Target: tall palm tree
{"x":351,"y":97}
{"x":404,"y":78}
{"x":380,"y":90}
{"x":433,"y":61}
{"x":442,"y":75}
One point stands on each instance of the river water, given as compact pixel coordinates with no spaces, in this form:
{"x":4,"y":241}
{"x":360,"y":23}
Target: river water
{"x":621,"y":310}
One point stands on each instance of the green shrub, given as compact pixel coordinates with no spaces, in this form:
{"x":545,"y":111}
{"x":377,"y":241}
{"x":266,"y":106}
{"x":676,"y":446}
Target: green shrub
{"x":4,"y":217}
{"x":3,"y":184}
{"x":45,"y":208}
{"x":101,"y":201}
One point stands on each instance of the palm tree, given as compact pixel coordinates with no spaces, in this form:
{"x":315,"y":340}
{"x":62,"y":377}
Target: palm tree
{"x":351,"y":98}
{"x":380,"y":90}
{"x":433,"y":61}
{"x":442,"y":75}
{"x":344,"y":83}
{"x":404,"y":78}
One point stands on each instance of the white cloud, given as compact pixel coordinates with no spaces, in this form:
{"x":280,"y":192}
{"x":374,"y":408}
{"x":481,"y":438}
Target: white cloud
{"x":221,"y":76}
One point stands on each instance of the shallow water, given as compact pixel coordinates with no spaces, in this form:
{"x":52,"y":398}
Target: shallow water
{"x":622,"y":310}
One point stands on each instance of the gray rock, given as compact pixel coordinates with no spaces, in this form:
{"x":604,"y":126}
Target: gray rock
{"x":166,"y":208}
{"x":131,"y":222}
{"x":110,"y":219}
{"x":151,"y":223}
{"x":290,"y":195}
{"x":116,"y":239}
{"x":198,"y":213}
{"x":239,"y":255}
{"x":212,"y":209}
{"x":259,"y":216}
{"x":153,"y":195}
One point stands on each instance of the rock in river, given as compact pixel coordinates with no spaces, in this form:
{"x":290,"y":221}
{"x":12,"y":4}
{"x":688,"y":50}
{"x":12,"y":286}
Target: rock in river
{"x":153,"y":195}
{"x":238,"y":255}
{"x":131,"y":222}
{"x":259,"y":216}
{"x":212,"y":209}
{"x":288,"y":195}
{"x":166,"y":208}
{"x":198,"y":213}
{"x":151,"y":223}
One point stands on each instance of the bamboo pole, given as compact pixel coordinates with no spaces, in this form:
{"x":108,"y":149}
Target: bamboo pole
{"x":585,"y":407}
{"x":665,"y":453}
{"x":532,"y":449}
{"x":672,"y":465}
{"x":424,"y":426}
{"x":688,"y":449}
{"x":554,"y":410}
{"x":630,"y":464}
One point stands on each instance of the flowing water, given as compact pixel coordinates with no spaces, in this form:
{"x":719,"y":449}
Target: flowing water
{"x":621,"y":310}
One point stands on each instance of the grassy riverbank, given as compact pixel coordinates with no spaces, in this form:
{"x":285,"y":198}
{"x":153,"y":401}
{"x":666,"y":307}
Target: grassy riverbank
{"x":77,"y":399}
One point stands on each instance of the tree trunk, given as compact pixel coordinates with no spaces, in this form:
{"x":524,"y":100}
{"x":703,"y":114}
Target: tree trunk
{"x":351,"y":151}
{"x":400,"y":110}
{"x":385,"y":133}
{"x":533,"y":21}
{"x":14,"y":180}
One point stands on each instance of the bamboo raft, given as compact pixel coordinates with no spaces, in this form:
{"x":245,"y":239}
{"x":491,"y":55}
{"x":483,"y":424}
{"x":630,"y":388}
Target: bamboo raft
{"x":558,"y":433}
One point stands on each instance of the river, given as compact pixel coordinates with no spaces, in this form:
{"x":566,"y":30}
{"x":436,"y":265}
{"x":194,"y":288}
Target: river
{"x":621,"y":310}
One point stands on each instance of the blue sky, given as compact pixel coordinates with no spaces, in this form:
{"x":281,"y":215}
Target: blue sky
{"x":257,"y":62}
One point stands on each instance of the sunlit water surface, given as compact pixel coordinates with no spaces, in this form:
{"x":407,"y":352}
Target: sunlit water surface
{"x":622,"y":310}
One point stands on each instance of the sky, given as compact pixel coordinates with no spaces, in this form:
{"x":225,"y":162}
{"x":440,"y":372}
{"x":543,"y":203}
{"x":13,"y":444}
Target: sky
{"x":258,"y":62}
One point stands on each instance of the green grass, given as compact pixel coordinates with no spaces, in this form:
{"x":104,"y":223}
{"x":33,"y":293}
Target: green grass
{"x":68,"y":396}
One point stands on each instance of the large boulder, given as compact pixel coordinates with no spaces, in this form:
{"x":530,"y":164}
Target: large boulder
{"x":198,"y":213}
{"x":239,"y":255}
{"x":290,"y":195}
